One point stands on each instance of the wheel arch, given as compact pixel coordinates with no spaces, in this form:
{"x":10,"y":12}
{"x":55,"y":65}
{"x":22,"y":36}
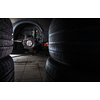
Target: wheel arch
{"x":15,"y":25}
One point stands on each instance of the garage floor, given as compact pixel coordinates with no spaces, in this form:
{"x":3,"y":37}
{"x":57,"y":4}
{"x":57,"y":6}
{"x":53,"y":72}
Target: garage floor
{"x":29,"y":68}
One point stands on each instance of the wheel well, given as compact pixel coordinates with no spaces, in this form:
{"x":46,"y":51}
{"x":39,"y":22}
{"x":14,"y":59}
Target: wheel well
{"x":21,"y":24}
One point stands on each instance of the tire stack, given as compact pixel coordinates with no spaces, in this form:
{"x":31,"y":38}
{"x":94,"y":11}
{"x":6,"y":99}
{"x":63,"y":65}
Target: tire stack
{"x":74,"y":47}
{"x":6,"y":62}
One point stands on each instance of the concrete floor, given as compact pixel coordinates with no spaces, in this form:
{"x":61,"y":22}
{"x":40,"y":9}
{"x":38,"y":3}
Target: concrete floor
{"x":29,"y":68}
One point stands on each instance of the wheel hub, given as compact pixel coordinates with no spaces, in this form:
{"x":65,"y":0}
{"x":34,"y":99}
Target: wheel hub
{"x":29,"y":43}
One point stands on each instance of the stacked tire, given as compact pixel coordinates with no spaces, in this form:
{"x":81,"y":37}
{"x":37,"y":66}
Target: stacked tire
{"x":74,"y":47}
{"x":6,"y":62}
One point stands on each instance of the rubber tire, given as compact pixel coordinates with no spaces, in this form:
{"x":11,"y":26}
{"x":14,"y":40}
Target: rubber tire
{"x":6,"y":31}
{"x":58,"y":72}
{"x":75,"y":41}
{"x":6,"y":69}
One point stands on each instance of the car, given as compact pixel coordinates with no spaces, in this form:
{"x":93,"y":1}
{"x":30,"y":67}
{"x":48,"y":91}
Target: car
{"x":30,"y":34}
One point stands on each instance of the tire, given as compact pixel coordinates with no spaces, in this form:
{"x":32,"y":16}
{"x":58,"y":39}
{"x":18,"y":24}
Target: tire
{"x":57,"y":72}
{"x":6,"y":31}
{"x":75,"y":41}
{"x":6,"y":69}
